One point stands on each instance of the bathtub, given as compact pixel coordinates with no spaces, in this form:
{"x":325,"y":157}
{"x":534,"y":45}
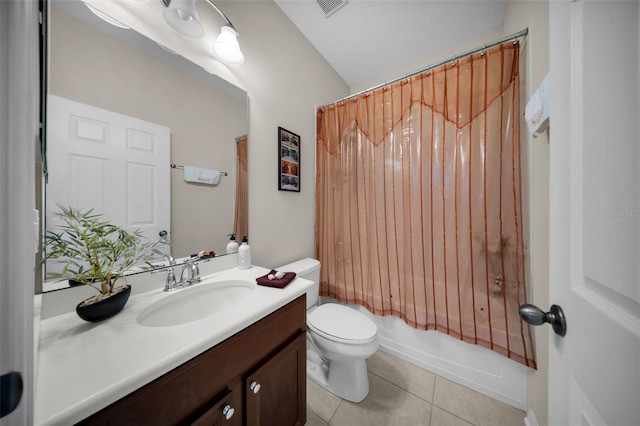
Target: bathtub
{"x":473,"y":366}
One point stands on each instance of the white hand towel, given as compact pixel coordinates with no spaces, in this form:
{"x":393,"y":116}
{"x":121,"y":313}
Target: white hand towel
{"x":205,"y":176}
{"x":537,"y":111}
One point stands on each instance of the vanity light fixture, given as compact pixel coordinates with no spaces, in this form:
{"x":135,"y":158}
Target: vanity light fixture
{"x":183,"y":17}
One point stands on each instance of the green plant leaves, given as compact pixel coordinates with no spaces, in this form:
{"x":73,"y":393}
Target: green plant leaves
{"x":94,"y":251}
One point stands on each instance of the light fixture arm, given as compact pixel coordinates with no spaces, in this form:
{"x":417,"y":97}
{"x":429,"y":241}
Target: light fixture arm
{"x":228,"y":21}
{"x":229,"y":24}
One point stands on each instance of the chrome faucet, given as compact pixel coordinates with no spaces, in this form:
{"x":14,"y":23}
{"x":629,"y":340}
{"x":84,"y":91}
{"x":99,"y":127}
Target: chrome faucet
{"x":170,"y":282}
{"x":190,"y":273}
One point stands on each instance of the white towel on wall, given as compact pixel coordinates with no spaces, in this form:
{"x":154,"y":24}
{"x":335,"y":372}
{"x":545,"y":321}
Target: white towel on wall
{"x":537,"y":111}
{"x":198,"y":175}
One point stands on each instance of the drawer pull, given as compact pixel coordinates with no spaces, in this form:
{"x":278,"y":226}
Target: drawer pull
{"x":255,"y":387}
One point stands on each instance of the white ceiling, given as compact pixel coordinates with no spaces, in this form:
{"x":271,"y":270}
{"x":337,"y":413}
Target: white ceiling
{"x":368,"y":38}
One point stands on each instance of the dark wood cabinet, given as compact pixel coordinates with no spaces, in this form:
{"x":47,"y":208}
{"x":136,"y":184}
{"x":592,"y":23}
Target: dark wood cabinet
{"x":256,"y":377}
{"x":273,"y":398}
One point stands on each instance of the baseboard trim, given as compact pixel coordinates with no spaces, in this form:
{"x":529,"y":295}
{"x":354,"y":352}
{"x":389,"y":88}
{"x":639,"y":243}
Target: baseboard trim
{"x":530,"y":419}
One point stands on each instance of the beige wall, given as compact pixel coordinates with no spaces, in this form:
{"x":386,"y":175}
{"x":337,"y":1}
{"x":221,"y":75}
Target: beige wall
{"x":286,"y":78}
{"x":88,"y":66}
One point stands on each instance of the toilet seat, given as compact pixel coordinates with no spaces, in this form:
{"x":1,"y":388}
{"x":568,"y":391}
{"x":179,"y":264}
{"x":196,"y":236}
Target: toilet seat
{"x":342,"y":324}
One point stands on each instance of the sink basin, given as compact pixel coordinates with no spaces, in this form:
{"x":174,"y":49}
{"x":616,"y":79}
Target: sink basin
{"x":195,"y":303}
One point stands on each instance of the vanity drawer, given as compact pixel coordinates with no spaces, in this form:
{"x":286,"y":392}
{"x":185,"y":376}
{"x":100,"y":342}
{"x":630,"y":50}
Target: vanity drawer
{"x":222,"y":413}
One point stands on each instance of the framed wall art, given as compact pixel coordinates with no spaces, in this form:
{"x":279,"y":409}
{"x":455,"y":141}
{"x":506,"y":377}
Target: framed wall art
{"x":288,"y":161}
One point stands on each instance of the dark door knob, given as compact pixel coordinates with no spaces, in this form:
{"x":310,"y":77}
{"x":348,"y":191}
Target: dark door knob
{"x":535,"y":316}
{"x":10,"y":392}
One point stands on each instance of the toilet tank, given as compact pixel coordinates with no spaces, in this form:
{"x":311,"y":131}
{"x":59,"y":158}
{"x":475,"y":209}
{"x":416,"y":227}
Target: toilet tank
{"x":308,"y":269}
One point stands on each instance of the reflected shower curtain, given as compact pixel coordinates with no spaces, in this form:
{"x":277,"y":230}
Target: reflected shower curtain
{"x":419,"y":201}
{"x":241,"y":217}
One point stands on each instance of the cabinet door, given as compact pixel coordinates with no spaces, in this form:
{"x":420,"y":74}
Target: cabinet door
{"x":277,"y":391}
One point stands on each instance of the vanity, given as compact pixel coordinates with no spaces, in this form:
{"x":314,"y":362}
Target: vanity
{"x":244,"y":363}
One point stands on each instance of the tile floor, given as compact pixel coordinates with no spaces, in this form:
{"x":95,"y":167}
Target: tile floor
{"x":401,"y":394}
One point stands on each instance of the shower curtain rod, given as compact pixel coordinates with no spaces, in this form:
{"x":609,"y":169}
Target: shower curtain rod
{"x":514,"y":36}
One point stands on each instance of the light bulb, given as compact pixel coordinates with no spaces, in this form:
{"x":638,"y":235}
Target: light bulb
{"x":227,"y":48}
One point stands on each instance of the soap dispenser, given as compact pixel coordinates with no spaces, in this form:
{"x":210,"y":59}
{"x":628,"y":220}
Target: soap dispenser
{"x":232,"y":246}
{"x":244,"y":254}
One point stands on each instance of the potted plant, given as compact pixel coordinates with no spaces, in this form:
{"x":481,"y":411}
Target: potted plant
{"x":98,"y":254}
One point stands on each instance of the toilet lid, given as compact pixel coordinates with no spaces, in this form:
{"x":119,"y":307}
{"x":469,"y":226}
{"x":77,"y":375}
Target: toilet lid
{"x":342,"y":322}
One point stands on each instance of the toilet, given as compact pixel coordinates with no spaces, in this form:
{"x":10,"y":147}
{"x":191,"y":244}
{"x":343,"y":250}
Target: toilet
{"x":339,"y":339}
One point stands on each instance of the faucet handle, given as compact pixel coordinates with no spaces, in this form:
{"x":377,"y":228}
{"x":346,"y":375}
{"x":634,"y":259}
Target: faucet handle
{"x":195,"y":272}
{"x":187,"y":273}
{"x":170,"y":282}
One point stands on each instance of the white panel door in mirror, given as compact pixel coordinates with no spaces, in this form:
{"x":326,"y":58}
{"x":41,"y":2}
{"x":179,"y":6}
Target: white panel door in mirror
{"x":113,"y":163}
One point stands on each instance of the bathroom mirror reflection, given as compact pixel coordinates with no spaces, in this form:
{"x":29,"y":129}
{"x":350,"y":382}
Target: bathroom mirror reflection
{"x":124,"y":78}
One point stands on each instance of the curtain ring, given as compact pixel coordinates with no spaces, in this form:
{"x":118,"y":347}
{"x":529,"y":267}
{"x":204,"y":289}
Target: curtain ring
{"x":483,"y":47}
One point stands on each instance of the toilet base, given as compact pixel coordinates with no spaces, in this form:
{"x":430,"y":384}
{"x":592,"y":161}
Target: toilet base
{"x":348,"y":380}
{"x":318,"y":371}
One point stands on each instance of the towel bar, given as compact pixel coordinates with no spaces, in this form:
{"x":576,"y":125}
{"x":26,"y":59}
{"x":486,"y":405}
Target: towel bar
{"x":178,"y":166}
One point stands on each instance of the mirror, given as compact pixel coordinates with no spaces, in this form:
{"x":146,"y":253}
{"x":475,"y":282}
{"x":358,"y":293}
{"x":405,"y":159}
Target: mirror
{"x":101,"y":66}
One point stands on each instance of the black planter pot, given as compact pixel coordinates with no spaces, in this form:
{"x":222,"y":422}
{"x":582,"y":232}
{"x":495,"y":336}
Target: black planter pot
{"x":74,"y":283}
{"x":105,"y":308}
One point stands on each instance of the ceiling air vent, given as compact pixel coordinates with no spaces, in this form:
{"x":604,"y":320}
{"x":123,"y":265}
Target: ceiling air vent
{"x":329,"y":7}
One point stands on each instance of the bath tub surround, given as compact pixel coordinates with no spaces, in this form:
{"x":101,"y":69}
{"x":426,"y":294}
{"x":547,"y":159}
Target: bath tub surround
{"x":473,"y":366}
{"x":69,"y":388}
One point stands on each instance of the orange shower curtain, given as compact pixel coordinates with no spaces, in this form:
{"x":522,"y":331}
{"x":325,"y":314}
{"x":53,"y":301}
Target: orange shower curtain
{"x":419,"y":210}
{"x":241,"y":216}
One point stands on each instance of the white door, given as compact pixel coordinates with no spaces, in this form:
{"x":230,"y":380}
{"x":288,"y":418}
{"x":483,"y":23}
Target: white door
{"x":594,"y":373}
{"x":116,"y":164}
{"x":19,"y":119}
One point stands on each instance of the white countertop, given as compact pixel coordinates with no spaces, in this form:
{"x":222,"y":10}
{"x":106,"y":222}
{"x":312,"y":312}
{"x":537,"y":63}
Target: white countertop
{"x":84,"y":367}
